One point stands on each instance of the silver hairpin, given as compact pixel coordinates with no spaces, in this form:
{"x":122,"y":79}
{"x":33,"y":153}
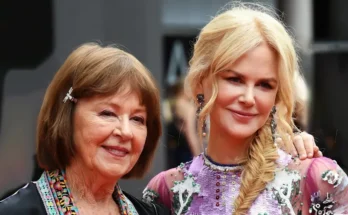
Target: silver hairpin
{"x":69,"y":96}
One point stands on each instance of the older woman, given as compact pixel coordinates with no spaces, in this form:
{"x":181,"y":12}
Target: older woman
{"x":242,"y":75}
{"x":99,"y":122}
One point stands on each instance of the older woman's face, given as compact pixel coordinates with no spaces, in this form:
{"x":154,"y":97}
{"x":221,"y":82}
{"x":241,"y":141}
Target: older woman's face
{"x":110,"y":133}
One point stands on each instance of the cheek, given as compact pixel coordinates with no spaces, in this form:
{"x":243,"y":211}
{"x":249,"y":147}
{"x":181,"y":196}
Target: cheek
{"x":139,"y":141}
{"x":138,"y":144}
{"x":90,"y":134}
{"x":266,"y":101}
{"x":227,"y":94}
{"x":99,"y":133}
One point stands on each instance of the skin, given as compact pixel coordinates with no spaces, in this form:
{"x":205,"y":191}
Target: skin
{"x":246,"y":94}
{"x":109,"y":134}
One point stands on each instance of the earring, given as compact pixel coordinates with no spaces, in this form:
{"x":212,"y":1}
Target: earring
{"x":273,"y":124}
{"x":200,"y":101}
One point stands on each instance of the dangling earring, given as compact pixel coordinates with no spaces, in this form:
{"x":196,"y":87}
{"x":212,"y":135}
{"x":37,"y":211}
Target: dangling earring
{"x":200,"y":101}
{"x":273,"y":124}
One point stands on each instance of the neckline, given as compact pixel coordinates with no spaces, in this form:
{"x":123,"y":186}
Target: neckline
{"x":50,"y":181}
{"x":211,"y":164}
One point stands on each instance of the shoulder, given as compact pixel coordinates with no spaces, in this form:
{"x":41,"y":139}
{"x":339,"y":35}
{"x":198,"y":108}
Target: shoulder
{"x":317,"y":166}
{"x":323,"y":169}
{"x":167,"y":177}
{"x":144,"y":208}
{"x":326,"y":185}
{"x":320,"y":172}
{"x":192,"y":167}
{"x":24,"y":201}
{"x":322,"y":175}
{"x":159,"y":188}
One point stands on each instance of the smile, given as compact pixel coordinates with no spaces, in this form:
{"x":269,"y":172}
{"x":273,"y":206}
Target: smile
{"x":118,"y":152}
{"x":243,"y":116}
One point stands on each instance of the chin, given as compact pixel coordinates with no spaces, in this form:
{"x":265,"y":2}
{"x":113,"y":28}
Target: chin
{"x":242,"y":132}
{"x":113,"y":170}
{"x":241,"y":135}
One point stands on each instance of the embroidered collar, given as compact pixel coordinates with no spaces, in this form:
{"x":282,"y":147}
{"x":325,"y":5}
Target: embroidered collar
{"x":220,"y":167}
{"x":58,"y":200}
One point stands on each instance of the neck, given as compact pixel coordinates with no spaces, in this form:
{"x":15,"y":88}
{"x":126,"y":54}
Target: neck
{"x":225,"y":149}
{"x":89,"y":186}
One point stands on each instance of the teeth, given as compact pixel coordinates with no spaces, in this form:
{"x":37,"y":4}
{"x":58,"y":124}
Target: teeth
{"x":116,"y":152}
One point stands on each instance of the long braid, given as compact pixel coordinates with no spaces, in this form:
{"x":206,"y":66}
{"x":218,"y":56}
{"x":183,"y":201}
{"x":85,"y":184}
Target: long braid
{"x":258,"y":171}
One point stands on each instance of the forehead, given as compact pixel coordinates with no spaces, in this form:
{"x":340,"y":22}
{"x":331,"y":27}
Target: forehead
{"x":126,"y":99}
{"x":261,"y":61}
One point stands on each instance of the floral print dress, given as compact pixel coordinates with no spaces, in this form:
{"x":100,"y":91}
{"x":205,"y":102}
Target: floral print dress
{"x":313,"y":186}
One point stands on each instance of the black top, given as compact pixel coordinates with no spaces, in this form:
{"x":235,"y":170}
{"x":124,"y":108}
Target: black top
{"x":27,"y":201}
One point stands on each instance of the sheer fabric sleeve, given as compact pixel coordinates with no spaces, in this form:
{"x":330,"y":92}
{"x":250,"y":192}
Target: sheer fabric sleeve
{"x":159,"y":188}
{"x":326,"y":188}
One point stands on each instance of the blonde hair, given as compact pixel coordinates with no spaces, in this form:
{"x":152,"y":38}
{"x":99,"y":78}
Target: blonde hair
{"x":302,"y":97}
{"x":226,"y":38}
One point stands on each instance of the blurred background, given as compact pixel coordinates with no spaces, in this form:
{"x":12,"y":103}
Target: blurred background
{"x":37,"y":36}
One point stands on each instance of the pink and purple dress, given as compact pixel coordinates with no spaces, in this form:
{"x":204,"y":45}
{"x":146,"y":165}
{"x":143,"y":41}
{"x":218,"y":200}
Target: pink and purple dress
{"x":202,"y":187}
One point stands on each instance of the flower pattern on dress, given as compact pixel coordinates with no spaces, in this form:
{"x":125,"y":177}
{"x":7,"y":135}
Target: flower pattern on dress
{"x":294,"y":190}
{"x":183,"y":193}
{"x":319,"y":207}
{"x":285,"y":187}
{"x":149,"y":195}
{"x":332,"y":177}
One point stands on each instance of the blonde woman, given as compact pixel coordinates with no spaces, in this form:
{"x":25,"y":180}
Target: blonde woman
{"x":242,"y":74}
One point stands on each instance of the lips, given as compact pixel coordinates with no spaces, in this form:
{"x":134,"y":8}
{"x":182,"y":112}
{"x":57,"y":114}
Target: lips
{"x":243,"y":116}
{"x":116,"y":150}
{"x":242,"y":113}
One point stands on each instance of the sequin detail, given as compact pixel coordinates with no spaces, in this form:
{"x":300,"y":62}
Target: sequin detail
{"x":183,"y":194}
{"x":289,"y":193}
{"x":332,"y":177}
{"x":149,"y":195}
{"x":285,"y":187}
{"x":221,"y":168}
{"x":219,"y":188}
{"x":319,"y":207}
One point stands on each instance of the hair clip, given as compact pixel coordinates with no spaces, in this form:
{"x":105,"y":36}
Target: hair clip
{"x":69,"y":96}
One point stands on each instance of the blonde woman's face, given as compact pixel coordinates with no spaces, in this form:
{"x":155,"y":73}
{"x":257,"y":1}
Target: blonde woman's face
{"x":110,"y":133}
{"x":246,"y":94}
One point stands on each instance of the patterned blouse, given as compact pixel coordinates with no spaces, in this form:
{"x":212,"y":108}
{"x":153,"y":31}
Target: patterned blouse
{"x":313,"y":186}
{"x":58,"y":200}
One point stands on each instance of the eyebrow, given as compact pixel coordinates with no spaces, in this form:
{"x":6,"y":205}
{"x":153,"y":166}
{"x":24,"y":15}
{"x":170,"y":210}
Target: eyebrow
{"x":117,"y":106}
{"x":262,"y":79}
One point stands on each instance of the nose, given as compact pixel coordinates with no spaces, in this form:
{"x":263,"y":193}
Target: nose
{"x":123,"y":129}
{"x":247,"y":97}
